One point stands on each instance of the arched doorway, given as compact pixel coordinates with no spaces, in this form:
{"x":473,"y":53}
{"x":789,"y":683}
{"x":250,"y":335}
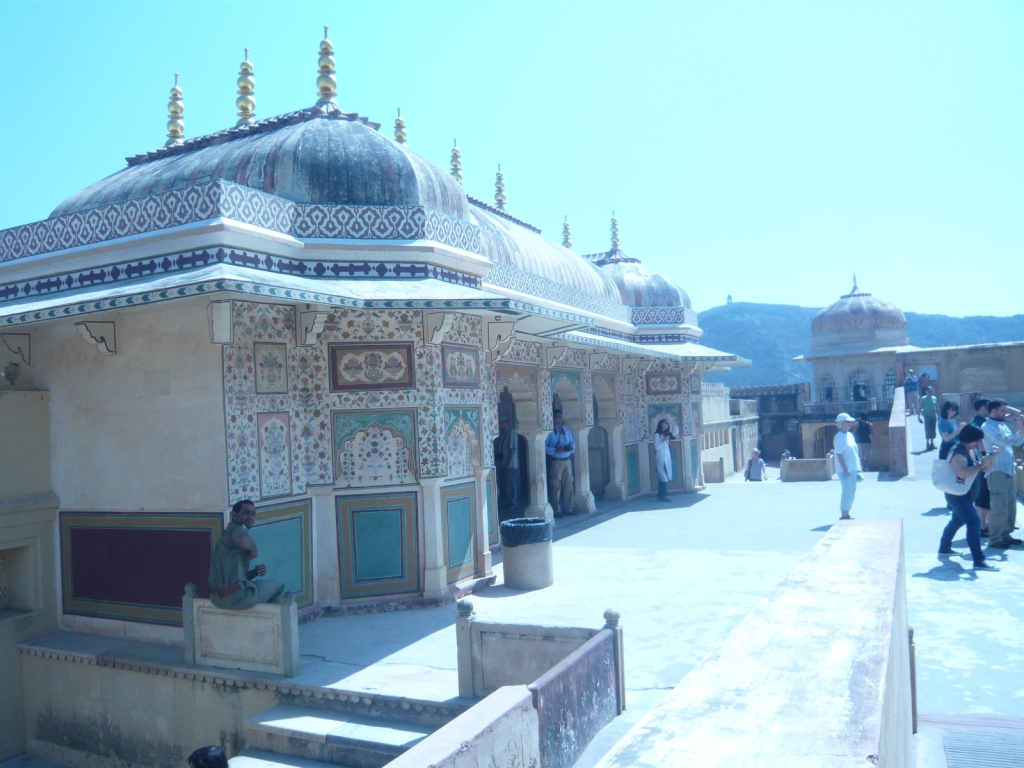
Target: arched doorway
{"x":507,"y":410}
{"x":597,"y":455}
{"x":823,"y":440}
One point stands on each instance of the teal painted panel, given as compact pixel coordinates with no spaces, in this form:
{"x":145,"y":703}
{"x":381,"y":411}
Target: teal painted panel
{"x":633,"y":469}
{"x":559,"y":375}
{"x":280,"y":546}
{"x":460,"y":531}
{"x":378,"y":544}
{"x":470,"y":415}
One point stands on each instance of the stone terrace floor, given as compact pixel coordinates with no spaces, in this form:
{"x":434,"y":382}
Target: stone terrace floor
{"x":683,"y":574}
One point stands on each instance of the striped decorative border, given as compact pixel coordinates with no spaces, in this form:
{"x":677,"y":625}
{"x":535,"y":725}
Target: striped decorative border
{"x":213,"y":523}
{"x":452,"y":493}
{"x":302,"y":509}
{"x":346,"y":507}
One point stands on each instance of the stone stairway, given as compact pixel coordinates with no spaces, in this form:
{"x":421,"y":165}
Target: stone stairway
{"x":351,"y":731}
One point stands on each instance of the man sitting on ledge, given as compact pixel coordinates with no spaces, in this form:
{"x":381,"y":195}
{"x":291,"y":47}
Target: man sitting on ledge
{"x":231,"y":581}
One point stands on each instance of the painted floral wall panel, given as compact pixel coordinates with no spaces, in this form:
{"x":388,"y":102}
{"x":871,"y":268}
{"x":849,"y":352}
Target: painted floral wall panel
{"x":274,"y":434}
{"x":466,"y":330}
{"x":374,"y":448}
{"x":674,"y":414}
{"x":372,"y":366}
{"x":462,"y":440}
{"x":460,"y":366}
{"x":546,"y":421}
{"x":588,"y":397}
{"x":668,"y":383}
{"x":271,"y":367}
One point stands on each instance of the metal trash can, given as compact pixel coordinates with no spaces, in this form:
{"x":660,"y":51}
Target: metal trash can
{"x":526,"y":552}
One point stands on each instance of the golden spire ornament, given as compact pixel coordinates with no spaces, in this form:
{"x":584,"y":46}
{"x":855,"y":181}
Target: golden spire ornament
{"x":456,"y":162}
{"x":615,"y":232}
{"x":566,"y":239}
{"x":246,"y":101}
{"x":499,"y":189}
{"x":326,"y":82}
{"x":175,"y":123}
{"x":400,"y":128}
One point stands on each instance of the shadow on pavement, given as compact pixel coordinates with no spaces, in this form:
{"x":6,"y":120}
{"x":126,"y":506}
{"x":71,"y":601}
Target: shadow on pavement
{"x":947,"y":571}
{"x":936,"y":512}
{"x":580,"y":523}
{"x":823,"y":528}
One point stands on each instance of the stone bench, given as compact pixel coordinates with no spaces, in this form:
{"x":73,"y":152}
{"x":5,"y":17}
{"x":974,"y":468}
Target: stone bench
{"x":264,"y":638}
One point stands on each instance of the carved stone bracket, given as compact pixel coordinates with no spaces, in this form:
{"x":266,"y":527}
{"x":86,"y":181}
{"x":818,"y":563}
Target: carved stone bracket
{"x":557,"y":356}
{"x":100,"y":335}
{"x":436,"y":325}
{"x":20,"y":344}
{"x":311,"y":325}
{"x":630,"y":364}
{"x":221,"y":327}
{"x":604,"y":361}
{"x":499,"y":338}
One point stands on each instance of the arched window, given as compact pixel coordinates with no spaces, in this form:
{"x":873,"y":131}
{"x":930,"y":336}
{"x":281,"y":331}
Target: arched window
{"x":890,"y":385}
{"x":827,"y":388}
{"x":860,"y":386}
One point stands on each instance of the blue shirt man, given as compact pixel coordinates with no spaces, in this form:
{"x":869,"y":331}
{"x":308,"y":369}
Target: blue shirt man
{"x":560,"y":447}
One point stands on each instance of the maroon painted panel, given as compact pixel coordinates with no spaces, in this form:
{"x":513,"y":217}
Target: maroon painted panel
{"x":139,"y":566}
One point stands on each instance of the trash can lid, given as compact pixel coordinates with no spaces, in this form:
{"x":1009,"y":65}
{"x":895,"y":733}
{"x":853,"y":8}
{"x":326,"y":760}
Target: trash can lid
{"x":526,"y":530}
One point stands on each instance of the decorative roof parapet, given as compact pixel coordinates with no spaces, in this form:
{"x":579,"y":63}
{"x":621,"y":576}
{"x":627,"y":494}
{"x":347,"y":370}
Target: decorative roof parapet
{"x":260,"y":126}
{"x":503,"y":214}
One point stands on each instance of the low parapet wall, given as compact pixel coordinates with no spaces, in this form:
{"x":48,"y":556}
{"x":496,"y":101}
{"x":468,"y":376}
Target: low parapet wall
{"x":899,"y":436}
{"x":817,"y":675}
{"x":799,"y":470}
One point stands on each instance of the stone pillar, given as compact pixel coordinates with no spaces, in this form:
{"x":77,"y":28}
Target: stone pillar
{"x":538,"y":467}
{"x":326,"y":566}
{"x":435,"y":572}
{"x":583,"y":498}
{"x":483,"y":547}
{"x":616,"y":486}
{"x":645,"y":467}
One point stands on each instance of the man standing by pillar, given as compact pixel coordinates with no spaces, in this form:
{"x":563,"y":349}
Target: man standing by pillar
{"x":507,"y":457}
{"x":560,"y":447}
{"x":1000,"y":437}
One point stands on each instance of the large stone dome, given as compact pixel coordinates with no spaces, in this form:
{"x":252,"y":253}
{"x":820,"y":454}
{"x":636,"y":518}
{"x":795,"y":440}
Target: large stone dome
{"x":637,"y":285}
{"x":858,"y":320}
{"x":310,"y":156}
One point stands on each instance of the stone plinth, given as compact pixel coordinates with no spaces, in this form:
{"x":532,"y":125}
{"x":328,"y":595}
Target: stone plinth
{"x":714,"y":471}
{"x":529,"y":566}
{"x":264,"y":638}
{"x":798,"y":470}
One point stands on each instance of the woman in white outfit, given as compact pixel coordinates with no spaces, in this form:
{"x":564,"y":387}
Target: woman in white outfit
{"x":663,"y":456}
{"x":847,"y":460}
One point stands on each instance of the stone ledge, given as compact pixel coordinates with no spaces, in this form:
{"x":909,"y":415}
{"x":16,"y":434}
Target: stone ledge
{"x":387,"y":606}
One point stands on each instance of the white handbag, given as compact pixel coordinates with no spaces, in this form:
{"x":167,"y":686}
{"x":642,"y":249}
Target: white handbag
{"x":944,"y":478}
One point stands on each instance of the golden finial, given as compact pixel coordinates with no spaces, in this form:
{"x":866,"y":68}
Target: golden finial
{"x":175,"y":123}
{"x":499,"y":189}
{"x":246,"y":102}
{"x":456,"y":162}
{"x":400,"y":128}
{"x":566,"y":240}
{"x":326,"y":82}
{"x":615,"y":232}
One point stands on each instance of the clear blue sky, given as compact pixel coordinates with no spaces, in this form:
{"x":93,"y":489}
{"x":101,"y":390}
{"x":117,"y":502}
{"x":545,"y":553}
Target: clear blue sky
{"x":760,"y":149}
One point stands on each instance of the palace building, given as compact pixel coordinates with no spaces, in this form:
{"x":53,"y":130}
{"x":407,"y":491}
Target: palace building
{"x":303,"y":311}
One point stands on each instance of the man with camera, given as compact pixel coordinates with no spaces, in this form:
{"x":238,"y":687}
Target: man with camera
{"x":1004,"y":429}
{"x":560,"y":446}
{"x":232,"y":584}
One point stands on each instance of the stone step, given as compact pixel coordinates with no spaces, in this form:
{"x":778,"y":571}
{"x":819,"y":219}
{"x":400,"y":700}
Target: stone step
{"x":430,"y":714}
{"x":341,"y":738}
{"x":257,"y":758}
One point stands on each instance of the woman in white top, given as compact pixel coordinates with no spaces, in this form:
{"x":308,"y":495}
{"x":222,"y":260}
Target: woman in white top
{"x":847,"y":462}
{"x":663,"y":456}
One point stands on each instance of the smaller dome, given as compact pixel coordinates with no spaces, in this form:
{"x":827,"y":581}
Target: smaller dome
{"x":639,"y":286}
{"x":859,"y":319}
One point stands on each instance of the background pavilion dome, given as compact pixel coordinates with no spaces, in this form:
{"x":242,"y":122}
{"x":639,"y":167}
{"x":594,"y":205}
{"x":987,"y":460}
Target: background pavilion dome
{"x":859,"y":320}
{"x":310,"y":156}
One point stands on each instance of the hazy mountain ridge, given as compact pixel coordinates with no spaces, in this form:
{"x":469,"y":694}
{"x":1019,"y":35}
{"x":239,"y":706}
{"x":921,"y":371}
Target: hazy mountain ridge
{"x":771,"y":335}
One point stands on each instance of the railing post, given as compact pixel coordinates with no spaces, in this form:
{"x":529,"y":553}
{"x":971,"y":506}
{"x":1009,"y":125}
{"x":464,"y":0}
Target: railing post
{"x":913,"y":679}
{"x":611,"y":621}
{"x":464,"y":648}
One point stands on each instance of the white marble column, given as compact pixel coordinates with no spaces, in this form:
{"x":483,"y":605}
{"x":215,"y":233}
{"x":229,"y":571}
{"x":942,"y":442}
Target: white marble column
{"x":615,"y":489}
{"x":538,"y":470}
{"x":583,"y":498}
{"x":483,"y":547}
{"x":326,"y":565}
{"x":435,"y":573}
{"x":647,"y":485}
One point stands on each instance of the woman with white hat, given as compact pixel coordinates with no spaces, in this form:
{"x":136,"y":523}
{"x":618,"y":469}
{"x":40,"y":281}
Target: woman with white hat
{"x":847,"y":462}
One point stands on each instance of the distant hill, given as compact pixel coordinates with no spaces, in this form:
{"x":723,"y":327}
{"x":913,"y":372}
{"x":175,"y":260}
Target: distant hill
{"x":771,"y":335}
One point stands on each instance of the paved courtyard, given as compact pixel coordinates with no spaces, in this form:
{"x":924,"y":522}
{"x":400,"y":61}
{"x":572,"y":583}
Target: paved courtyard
{"x":684,"y":574}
